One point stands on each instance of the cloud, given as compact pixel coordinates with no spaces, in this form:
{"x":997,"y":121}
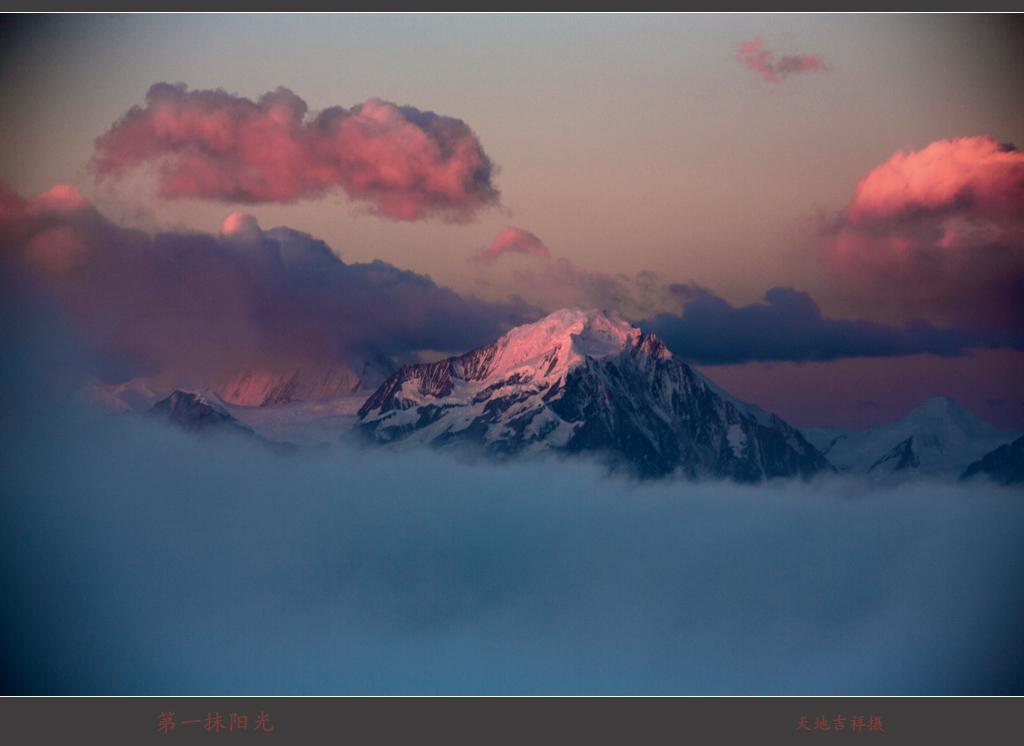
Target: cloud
{"x":942,"y":230}
{"x":553,"y":282}
{"x":790,"y":327}
{"x":406,"y":163}
{"x":755,"y":57}
{"x":513,"y":241}
{"x":144,"y":561}
{"x":60,"y":198}
{"x":136,"y":559}
{"x":241,"y":226}
{"x":211,"y":305}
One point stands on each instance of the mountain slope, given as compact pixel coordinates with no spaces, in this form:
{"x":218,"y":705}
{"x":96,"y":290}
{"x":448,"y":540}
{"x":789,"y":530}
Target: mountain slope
{"x":586,"y":381}
{"x":1004,"y":465}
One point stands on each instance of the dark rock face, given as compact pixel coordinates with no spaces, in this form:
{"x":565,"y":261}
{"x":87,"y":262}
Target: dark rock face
{"x":191,"y":412}
{"x":900,"y":458}
{"x":1004,"y":465}
{"x":639,"y":409}
{"x":657,"y":415}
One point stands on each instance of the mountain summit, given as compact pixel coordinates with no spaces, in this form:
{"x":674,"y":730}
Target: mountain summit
{"x":587,"y":381}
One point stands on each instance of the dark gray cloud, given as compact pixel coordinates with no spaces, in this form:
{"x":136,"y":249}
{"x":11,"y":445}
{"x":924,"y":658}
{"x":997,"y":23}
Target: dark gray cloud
{"x":790,"y":326}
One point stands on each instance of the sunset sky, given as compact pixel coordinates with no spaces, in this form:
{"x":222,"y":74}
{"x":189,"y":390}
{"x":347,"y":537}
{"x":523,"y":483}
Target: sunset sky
{"x":824,"y":213}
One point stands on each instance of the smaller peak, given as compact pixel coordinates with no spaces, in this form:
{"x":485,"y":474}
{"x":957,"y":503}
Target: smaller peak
{"x":939,"y":406}
{"x":204,"y":398}
{"x":943,"y":412}
{"x":938,"y":401}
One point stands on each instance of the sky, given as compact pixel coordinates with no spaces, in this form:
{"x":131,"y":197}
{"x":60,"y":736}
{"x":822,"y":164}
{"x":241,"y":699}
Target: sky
{"x":689,"y":171}
{"x":822,"y":213}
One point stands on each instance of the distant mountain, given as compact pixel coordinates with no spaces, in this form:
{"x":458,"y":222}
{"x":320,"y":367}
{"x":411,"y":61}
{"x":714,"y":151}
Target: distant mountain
{"x":271,"y":388}
{"x":586,"y":381}
{"x":938,"y":439}
{"x":312,"y":422}
{"x":1004,"y":465}
{"x":136,"y":395}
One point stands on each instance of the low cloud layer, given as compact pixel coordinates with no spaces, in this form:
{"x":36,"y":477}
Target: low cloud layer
{"x":941,"y":230}
{"x":138,"y":559}
{"x":790,"y":326}
{"x":405,"y":163}
{"x":210,"y":305}
{"x":774,"y":69}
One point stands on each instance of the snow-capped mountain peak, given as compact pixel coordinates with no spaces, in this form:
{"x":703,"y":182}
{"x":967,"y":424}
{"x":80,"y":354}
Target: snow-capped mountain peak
{"x":581,"y":380}
{"x":550,"y":347}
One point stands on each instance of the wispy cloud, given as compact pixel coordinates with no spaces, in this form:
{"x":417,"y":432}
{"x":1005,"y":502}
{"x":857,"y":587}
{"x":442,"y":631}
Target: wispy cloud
{"x":774,"y":69}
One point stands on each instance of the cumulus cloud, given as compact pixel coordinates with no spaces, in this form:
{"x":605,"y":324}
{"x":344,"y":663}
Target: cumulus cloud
{"x":406,"y":163}
{"x":942,"y":229}
{"x":790,"y":326}
{"x":513,"y":241}
{"x":774,"y":69}
{"x":212,"y":305}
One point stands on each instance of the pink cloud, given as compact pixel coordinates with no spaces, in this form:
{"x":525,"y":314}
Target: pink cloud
{"x":60,"y":198}
{"x":942,"y":228}
{"x":408,"y":164}
{"x":50,"y":230}
{"x":241,"y":226}
{"x":513,"y":241}
{"x":755,"y":57}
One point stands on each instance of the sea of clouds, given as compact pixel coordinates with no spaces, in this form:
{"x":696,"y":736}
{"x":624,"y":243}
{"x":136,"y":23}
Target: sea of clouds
{"x":139,"y":559}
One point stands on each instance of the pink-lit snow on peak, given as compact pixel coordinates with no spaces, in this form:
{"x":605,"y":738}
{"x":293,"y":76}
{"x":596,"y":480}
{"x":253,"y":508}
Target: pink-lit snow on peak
{"x":574,"y":332}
